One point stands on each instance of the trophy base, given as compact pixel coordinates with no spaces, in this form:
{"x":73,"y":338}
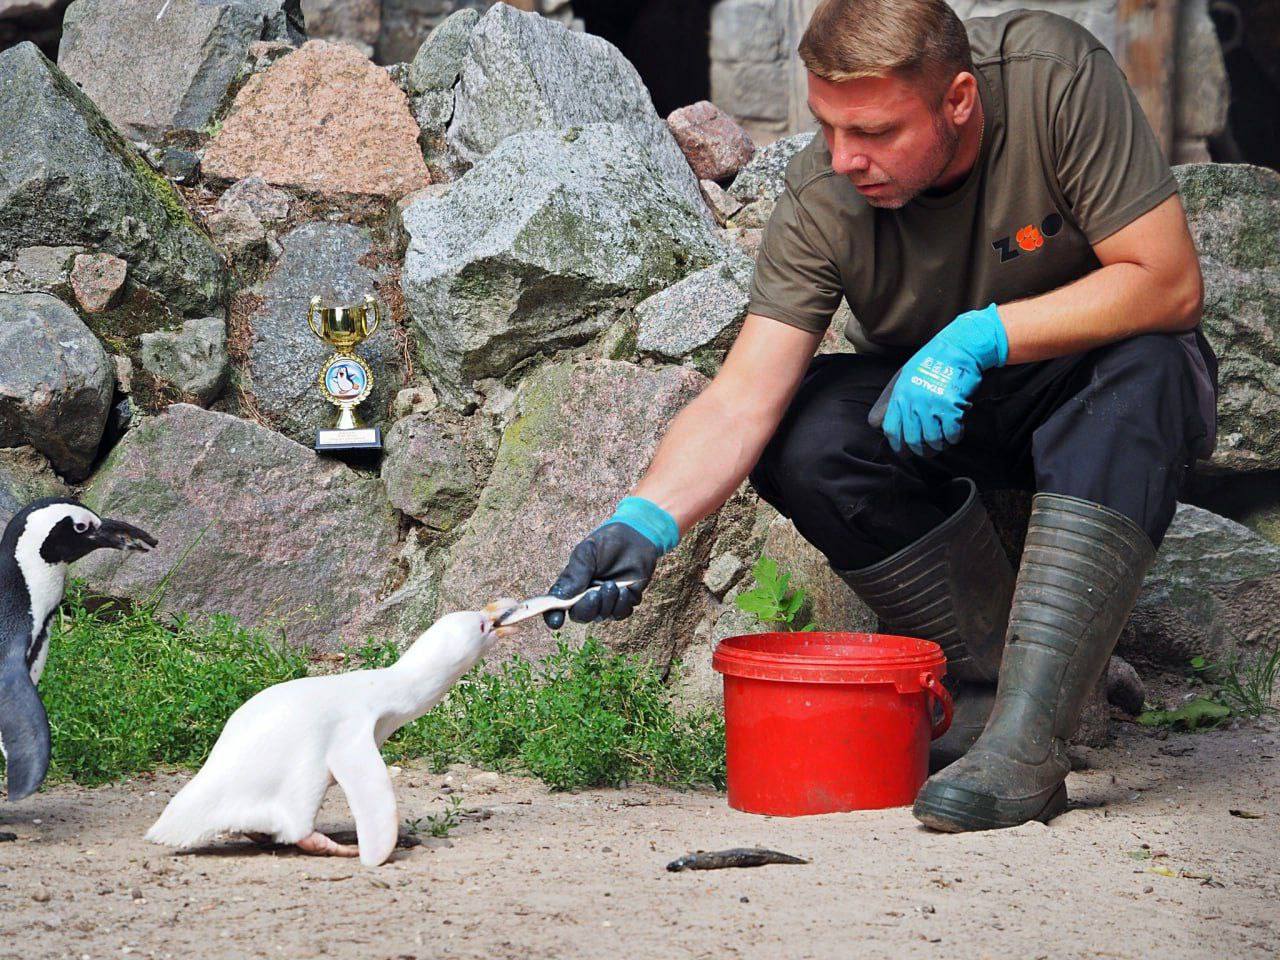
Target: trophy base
{"x":361,"y":441}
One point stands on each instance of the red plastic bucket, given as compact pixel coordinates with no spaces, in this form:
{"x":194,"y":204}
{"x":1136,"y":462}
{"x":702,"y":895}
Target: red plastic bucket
{"x":828,"y":722}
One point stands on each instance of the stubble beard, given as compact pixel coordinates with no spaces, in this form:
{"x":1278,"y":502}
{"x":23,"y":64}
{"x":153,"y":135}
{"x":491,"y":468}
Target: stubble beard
{"x":946,"y":143}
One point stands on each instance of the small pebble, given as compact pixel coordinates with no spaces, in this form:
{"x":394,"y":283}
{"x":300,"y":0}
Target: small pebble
{"x":135,"y":893}
{"x":41,"y":895}
{"x":744,"y":899}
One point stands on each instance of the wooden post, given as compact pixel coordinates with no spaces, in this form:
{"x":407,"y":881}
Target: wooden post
{"x":530,"y":6}
{"x":1146,"y":37}
{"x":796,"y":14}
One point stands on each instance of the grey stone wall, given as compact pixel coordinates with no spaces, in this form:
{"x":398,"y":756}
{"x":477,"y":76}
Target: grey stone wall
{"x":753,"y":64}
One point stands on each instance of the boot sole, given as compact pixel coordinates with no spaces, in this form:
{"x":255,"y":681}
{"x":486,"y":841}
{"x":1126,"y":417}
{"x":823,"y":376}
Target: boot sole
{"x":956,"y":810}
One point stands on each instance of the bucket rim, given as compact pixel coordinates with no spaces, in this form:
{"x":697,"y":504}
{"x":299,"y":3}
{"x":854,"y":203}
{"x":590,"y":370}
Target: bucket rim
{"x":903,"y":663}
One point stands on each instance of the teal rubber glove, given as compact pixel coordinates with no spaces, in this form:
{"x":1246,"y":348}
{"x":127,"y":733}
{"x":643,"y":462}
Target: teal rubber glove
{"x":930,"y":394}
{"x":625,"y":547}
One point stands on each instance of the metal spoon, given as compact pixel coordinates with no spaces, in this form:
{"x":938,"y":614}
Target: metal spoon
{"x":536,"y":606}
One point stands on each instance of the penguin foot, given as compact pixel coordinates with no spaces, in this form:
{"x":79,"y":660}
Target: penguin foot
{"x":318,"y":845}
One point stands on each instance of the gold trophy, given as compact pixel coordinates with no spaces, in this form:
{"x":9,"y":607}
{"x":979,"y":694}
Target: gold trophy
{"x":345,"y":379}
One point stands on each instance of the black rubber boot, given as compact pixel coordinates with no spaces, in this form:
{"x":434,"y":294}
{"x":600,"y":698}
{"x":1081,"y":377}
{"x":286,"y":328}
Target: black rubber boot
{"x":952,"y":586}
{"x":1082,"y":567}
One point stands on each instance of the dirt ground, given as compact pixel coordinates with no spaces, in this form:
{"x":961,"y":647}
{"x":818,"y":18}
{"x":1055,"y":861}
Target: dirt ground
{"x":1150,"y":862}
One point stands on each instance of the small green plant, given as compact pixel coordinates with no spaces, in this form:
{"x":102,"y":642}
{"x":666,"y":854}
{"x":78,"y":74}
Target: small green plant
{"x":1246,"y":685}
{"x":438,"y":824}
{"x":772,"y":600}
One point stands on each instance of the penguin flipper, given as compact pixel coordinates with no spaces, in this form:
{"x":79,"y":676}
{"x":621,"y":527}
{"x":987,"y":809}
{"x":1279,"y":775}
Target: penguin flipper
{"x":24,"y":727}
{"x":358,"y":768}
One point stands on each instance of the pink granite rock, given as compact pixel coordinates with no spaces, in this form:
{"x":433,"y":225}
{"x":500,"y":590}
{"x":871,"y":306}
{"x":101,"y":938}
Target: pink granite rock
{"x":326,"y":120}
{"x":716,"y":147}
{"x":97,"y":279}
{"x":250,"y":524}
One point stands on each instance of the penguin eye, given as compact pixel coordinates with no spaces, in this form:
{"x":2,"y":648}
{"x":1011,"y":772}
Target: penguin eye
{"x":82,"y":527}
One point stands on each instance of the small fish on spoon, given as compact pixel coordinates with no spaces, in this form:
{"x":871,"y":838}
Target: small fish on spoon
{"x":536,"y":606}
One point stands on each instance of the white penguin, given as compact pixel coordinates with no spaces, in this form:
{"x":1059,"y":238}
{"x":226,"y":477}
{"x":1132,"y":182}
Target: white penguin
{"x":281,"y":751}
{"x":38,"y":544}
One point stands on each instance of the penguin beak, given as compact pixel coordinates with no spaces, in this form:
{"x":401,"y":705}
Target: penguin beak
{"x":494,"y":614}
{"x":118,"y":535}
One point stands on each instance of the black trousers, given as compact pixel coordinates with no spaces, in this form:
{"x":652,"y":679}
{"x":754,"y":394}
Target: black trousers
{"x":1115,"y":426}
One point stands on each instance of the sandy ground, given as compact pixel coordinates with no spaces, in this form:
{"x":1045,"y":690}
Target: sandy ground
{"x":1148,"y":863}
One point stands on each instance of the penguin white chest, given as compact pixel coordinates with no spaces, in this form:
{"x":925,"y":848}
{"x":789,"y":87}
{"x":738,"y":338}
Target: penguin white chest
{"x":45,"y":585}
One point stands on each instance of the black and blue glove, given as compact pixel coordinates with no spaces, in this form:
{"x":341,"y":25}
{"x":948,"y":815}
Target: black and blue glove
{"x":928,"y":397}
{"x":625,"y":547}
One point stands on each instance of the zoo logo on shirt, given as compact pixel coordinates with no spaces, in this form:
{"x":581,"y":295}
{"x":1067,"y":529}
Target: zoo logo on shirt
{"x":1028,"y":239}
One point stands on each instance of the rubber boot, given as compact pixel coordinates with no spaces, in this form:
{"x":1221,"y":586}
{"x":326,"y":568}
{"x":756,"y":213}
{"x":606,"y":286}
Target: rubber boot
{"x":952,"y":586}
{"x":1082,"y":568}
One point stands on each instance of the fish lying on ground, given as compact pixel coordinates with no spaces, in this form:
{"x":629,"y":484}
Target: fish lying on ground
{"x":737,"y":857}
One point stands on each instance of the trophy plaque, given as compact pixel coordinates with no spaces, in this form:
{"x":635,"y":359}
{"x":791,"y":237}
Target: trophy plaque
{"x":345,"y":380}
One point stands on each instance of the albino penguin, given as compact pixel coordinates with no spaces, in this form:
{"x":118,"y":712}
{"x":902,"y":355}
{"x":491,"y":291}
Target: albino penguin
{"x":281,"y":751}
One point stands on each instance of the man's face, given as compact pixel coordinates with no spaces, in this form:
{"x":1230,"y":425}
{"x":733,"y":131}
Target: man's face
{"x":891,"y":138}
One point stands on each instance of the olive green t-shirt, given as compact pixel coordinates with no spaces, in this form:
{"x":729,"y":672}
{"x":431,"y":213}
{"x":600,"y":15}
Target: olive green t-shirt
{"x":1067,"y":159}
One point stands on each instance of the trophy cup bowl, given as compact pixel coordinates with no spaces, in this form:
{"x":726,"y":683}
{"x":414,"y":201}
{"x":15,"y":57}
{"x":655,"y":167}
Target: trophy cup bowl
{"x":345,"y":380}
{"x":344,"y":327}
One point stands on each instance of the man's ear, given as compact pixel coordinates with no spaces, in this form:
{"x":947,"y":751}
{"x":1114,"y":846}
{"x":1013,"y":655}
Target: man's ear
{"x":961,"y":98}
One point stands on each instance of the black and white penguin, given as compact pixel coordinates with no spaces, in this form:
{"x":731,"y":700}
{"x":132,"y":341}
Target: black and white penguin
{"x":347,"y":387}
{"x":39,"y":542}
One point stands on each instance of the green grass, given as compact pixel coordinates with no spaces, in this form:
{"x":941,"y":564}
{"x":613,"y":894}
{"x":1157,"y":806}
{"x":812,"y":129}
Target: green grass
{"x":128,"y":691}
{"x":1248,"y":686}
{"x":583,"y":717}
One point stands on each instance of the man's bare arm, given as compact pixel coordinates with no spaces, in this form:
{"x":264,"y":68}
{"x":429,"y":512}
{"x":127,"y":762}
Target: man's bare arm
{"x":714,"y":442}
{"x":1149,"y":282}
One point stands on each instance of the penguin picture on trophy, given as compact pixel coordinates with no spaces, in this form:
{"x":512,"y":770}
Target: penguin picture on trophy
{"x":344,"y":380}
{"x":39,"y":543}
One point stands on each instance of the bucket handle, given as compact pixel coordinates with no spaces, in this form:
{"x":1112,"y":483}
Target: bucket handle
{"x":943,"y":696}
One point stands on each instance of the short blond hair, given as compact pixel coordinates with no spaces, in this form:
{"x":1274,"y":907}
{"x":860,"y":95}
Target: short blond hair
{"x":914,"y":39}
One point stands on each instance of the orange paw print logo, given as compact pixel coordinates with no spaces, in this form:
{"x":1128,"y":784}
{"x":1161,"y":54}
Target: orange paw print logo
{"x":1029,"y":238}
